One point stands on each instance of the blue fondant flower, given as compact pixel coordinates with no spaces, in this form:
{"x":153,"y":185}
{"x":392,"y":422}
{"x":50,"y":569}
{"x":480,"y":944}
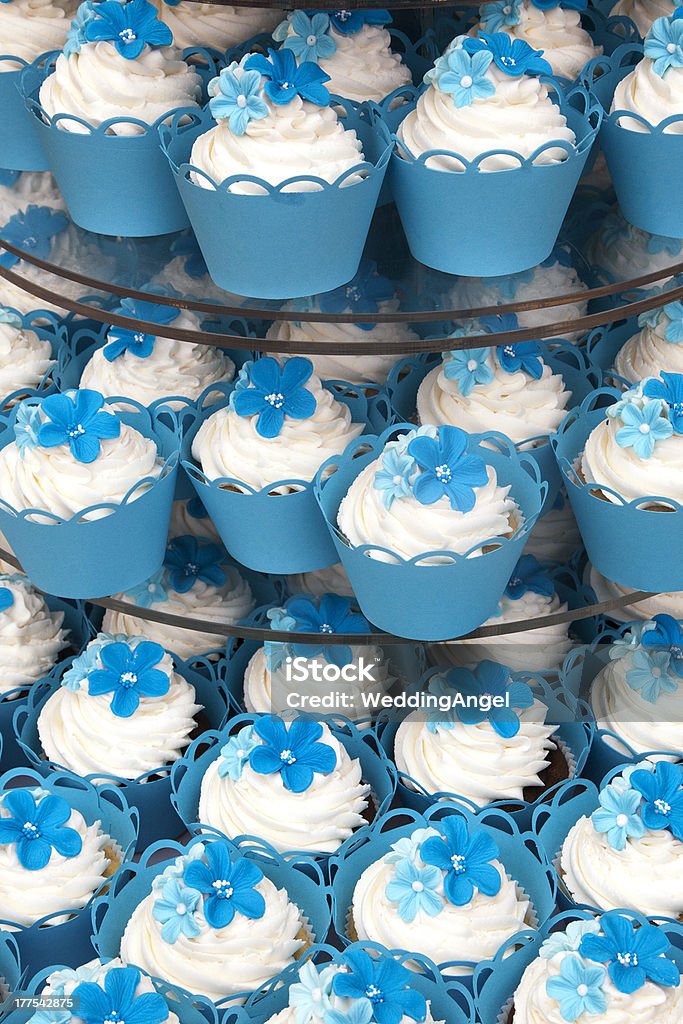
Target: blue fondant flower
{"x":662,"y":794}
{"x":570,"y":5}
{"x":27,"y":427}
{"x":650,"y":675}
{"x":128,"y":26}
{"x":529,"y":577}
{"x":123,"y":339}
{"x":350,"y":22}
{"x":10,"y":317}
{"x":438,"y":718}
{"x":415,"y":889}
{"x":286,"y":79}
{"x":115,"y":1000}
{"x":447,"y":469}
{"x":513,"y":56}
{"x":82,"y":664}
{"x":665,"y":631}
{"x":195,"y":265}
{"x":394,"y":476}
{"x":189,"y":559}
{"x":331,"y":614}
{"x":235,"y":753}
{"x":76,"y":37}
{"x":408,"y":847}
{"x":36,"y":829}
{"x":152,"y":591}
{"x":491,"y":680}
{"x":359,"y":1012}
{"x":8,"y":178}
{"x":229,"y":887}
{"x":310,"y":995}
{"x":500,"y":14}
{"x":129,"y":674}
{"x":309,"y":38}
{"x":275,"y":392}
{"x":465,"y":858}
{"x":293,"y":751}
{"x":464,"y":77}
{"x":499,"y":322}
{"x":634,"y":955}
{"x":567,"y":941}
{"x":650,"y":318}
{"x":643,"y":428}
{"x":6,"y":599}
{"x":525,"y":356}
{"x":143,"y":309}
{"x":578,"y":988}
{"x":618,"y":816}
{"x":174,"y":910}
{"x":664,"y":45}
{"x":237,"y":100}
{"x":363,"y":293}
{"x":32,"y":231}
{"x":468,"y":366}
{"x":77,"y":422}
{"x":674,"y":329}
{"x":670,"y":390}
{"x":385,"y":982}
{"x":58,"y":982}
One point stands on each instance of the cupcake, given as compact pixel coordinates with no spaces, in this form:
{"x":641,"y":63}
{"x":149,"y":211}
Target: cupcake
{"x":635,"y":832}
{"x":610,"y":969}
{"x":530,"y":594}
{"x":555,"y":537}
{"x":292,"y":784}
{"x":26,"y":357}
{"x":643,"y":12}
{"x":554,"y":28}
{"x":321,"y":581}
{"x":218,"y":27}
{"x":29,"y":28}
{"x":32,"y":636}
{"x":214,"y":924}
{"x":147,"y":367}
{"x":617,"y":251}
{"x":654,"y":89}
{"x":607,"y":590}
{"x":352,"y":47}
{"x":503,"y":754}
{"x":655,"y":347}
{"x":190,"y":518}
{"x":637,"y":695}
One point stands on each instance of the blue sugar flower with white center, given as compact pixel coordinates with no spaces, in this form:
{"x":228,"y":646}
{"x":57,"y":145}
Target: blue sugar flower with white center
{"x":385,"y":982}
{"x":618,"y":816}
{"x":664,"y":45}
{"x":152,"y":591}
{"x":674,"y":329}
{"x":114,"y":1001}
{"x":362,"y":294}
{"x":529,"y":577}
{"x":123,"y":339}
{"x":567,"y":941}
{"x":524,"y":356}
{"x":489,"y":679}
{"x":188,"y":559}
{"x":27,"y":423}
{"x":447,"y":469}
{"x":670,"y":390}
{"x":465,"y":859}
{"x":394,"y":476}
{"x":500,"y":14}
{"x":347,"y":23}
{"x":578,"y":988}
{"x":235,"y":753}
{"x":229,"y":887}
{"x":78,"y":422}
{"x":415,"y":889}
{"x":307,"y":36}
{"x":237,"y":99}
{"x":129,"y":26}
{"x":662,"y":792}
{"x":285,"y":79}
{"x":291,"y":750}
{"x":36,"y":829}
{"x":331,"y":613}
{"x":513,"y":56}
{"x":633,"y":954}
{"x":649,"y":675}
{"x":643,"y":428}
{"x":128,"y":673}
{"x":311,"y":994}
{"x":665,"y":631}
{"x":464,"y":77}
{"x":31,"y":230}
{"x":174,"y":909}
{"x":275,"y":392}
{"x":468,"y":367}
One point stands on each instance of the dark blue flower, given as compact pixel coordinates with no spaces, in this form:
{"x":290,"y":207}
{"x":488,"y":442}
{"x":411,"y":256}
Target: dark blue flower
{"x":385,"y":982}
{"x":362,"y":294}
{"x":31,"y":231}
{"x":129,"y":674}
{"x":568,"y":5}
{"x":561,"y":256}
{"x":292,"y":751}
{"x":143,"y":309}
{"x":489,"y":679}
{"x":447,"y":469}
{"x":122,"y":339}
{"x":500,"y":322}
{"x":77,"y":422}
{"x":332,"y":614}
{"x":6,"y":599}
{"x":130,"y":27}
{"x":190,"y":559}
{"x":529,"y":577}
{"x":466,"y":860}
{"x":36,"y":829}
{"x":8,"y":178}
{"x":349,"y":22}
{"x":667,"y":632}
{"x":286,"y":80}
{"x":275,"y":392}
{"x":525,"y":355}
{"x":195,"y":264}
{"x":662,"y":797}
{"x":513,"y":56}
{"x":230,"y":887}
{"x":196,"y":509}
{"x":670,"y":390}
{"x":114,"y":1001}
{"x":634,"y":955}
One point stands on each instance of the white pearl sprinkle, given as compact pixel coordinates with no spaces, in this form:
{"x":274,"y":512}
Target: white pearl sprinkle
{"x":621,"y":820}
{"x":582,"y":990}
{"x":466,"y":81}
{"x":644,"y":428}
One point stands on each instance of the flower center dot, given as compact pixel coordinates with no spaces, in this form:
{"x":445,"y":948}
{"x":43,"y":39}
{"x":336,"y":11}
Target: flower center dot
{"x":472,"y":363}
{"x":326,"y":628}
{"x":276,"y":398}
{"x":458,"y":862}
{"x":30,"y":241}
{"x":443,"y":473}
{"x":621,"y":820}
{"x":656,"y":673}
{"x":114,"y":1017}
{"x":671,"y":48}
{"x":417,"y":886}
{"x":76,"y":431}
{"x":509,"y":350}
{"x":466,"y":81}
{"x":30,"y":831}
{"x":181,"y":909}
{"x":223,"y":888}
{"x":396,"y":480}
{"x":241,"y":101}
{"x":507,"y":9}
{"x":374,"y":994}
{"x":287,"y":756}
{"x":509,"y":62}
{"x":311,"y":40}
{"x":644,"y":428}
{"x":151,"y":587}
{"x":663,"y":807}
{"x":127,"y":36}
{"x":316,"y":995}
{"x":353,"y":293}
{"x":128,"y":679}
{"x":139,"y":338}
{"x":628,"y":959}
{"x":191,"y":569}
{"x":582,"y":990}
{"x":343,"y":15}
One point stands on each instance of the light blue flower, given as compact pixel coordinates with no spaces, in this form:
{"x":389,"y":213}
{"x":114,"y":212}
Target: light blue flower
{"x":235,"y":753}
{"x":81,"y":666}
{"x":415,"y":889}
{"x":174,"y":910}
{"x":664,"y":45}
{"x":464,"y":77}
{"x":650,"y":675}
{"x":76,"y":37}
{"x":623,"y":781}
{"x":394,"y":477}
{"x":650,"y":318}
{"x":618,"y":816}
{"x":578,"y":988}
{"x":58,"y":982}
{"x":643,"y":428}
{"x":674,"y":330}
{"x":310,"y":995}
{"x":438,"y":719}
{"x":408,"y":848}
{"x":10,"y":317}
{"x":237,"y":100}
{"x":632,"y":396}
{"x":500,"y":14}
{"x":569,"y":940}
{"x":359,"y":1012}
{"x":241,"y":383}
{"x":26,"y":427}
{"x":630,"y":640}
{"x":468,"y":366}
{"x":401,"y":443}
{"x":310,"y":38}
{"x":152,"y":591}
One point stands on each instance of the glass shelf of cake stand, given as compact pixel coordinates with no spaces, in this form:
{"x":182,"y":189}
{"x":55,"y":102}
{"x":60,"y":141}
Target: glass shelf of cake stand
{"x":600,"y":267}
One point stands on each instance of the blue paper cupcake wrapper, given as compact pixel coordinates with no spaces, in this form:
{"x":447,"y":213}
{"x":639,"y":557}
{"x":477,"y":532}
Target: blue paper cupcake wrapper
{"x":19,"y":142}
{"x":437,"y":610}
{"x":53,"y":332}
{"x":604,"y":343}
{"x":150,"y":793}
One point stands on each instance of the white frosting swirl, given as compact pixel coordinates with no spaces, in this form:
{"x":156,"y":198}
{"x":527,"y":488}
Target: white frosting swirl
{"x":607,"y":590}
{"x":31,"y":636}
{"x":513,"y":403}
{"x":643,"y":12}
{"x":31,"y":27}
{"x":600,"y":876}
{"x":54,"y":480}
{"x":555,"y":536}
{"x":63,"y":982}
{"x":83,"y":734}
{"x":97,"y":83}
{"x":623,"y":711}
{"x":24,"y":358}
{"x":219,"y":962}
{"x":227,"y":604}
{"x":604,"y":462}
{"x":37,"y":187}
{"x":65,"y":883}
{"x":648,"y":352}
{"x":318,"y":820}
{"x":623,"y":251}
{"x":228,"y":445}
{"x":321,"y":581}
{"x":201,"y":24}
{"x":655,"y":97}
{"x":474,"y":932}
{"x":558,"y":33}
{"x":520,"y":116}
{"x":473,"y":760}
